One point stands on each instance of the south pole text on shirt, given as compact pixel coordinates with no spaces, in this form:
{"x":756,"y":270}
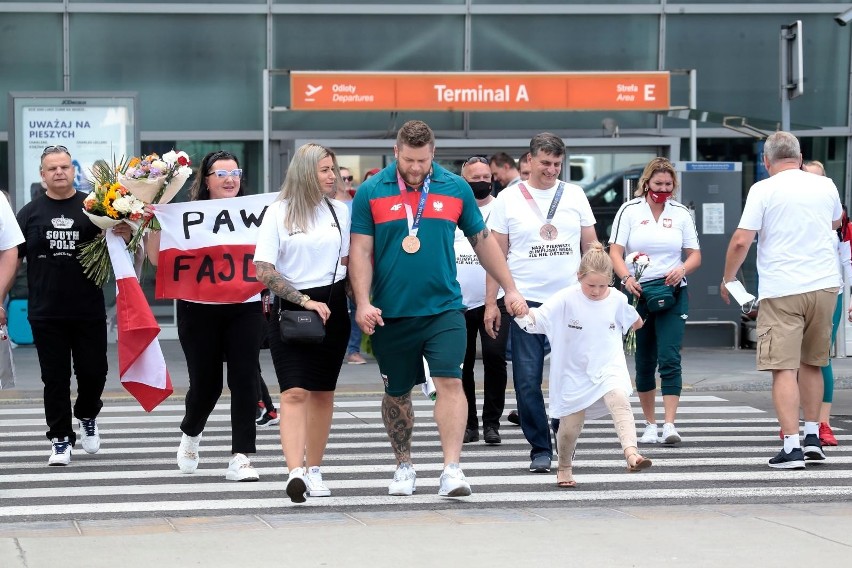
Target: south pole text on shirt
{"x":551,"y":249}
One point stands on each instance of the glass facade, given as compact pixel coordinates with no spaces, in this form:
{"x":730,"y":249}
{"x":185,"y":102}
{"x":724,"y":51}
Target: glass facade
{"x":198,"y":72}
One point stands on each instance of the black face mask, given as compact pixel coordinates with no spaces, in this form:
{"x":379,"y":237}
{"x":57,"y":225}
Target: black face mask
{"x":481,"y":189}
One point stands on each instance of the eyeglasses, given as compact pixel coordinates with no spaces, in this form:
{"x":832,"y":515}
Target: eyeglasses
{"x":474,"y":159}
{"x":54,"y":150}
{"x":225,"y":173}
{"x":347,"y":178}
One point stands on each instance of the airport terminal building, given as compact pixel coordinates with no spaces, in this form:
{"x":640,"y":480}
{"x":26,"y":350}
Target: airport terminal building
{"x":199,"y":75}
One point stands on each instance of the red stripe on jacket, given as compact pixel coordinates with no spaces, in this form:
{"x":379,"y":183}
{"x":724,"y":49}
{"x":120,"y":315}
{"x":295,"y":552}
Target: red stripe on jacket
{"x":390,"y":208}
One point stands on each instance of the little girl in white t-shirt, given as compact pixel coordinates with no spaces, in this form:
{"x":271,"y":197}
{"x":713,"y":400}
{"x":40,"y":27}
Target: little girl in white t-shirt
{"x":585,"y":324}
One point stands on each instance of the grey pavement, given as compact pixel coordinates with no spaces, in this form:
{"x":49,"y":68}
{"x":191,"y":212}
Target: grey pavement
{"x":704,"y":369}
{"x":630,"y":534}
{"x":640,"y":536}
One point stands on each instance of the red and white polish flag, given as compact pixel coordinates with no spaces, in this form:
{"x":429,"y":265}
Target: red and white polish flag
{"x":207,"y":249}
{"x":141,"y":365}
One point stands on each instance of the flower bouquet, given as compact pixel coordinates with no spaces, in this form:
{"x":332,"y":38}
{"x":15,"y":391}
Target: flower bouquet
{"x":108,"y":204}
{"x":640,"y":262}
{"x":154,"y":179}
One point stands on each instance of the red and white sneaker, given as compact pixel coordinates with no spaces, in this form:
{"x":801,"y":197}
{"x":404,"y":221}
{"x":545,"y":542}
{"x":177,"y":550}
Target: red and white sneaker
{"x":826,"y":436}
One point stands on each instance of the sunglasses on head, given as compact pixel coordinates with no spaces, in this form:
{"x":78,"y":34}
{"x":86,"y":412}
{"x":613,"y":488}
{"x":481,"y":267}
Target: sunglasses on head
{"x":54,"y":150}
{"x":347,"y":178}
{"x":474,"y":159}
{"x":225,"y":173}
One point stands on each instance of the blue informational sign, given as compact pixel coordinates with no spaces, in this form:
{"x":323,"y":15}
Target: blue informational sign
{"x":760,"y":171}
{"x":711,"y":166}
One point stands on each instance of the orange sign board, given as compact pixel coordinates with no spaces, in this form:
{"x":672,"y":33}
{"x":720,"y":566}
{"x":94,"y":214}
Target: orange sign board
{"x":609,"y":91}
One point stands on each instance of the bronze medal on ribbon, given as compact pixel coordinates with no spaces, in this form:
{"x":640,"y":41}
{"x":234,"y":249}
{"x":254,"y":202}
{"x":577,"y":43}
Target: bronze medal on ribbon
{"x":411,"y":244}
{"x":548,"y":232}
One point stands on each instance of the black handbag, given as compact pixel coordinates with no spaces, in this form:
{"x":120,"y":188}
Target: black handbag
{"x":657,"y":295}
{"x":301,"y":326}
{"x":306,"y":326}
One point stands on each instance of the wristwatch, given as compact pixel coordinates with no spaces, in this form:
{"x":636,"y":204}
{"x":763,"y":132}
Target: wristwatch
{"x":304,"y":300}
{"x":625,"y":279}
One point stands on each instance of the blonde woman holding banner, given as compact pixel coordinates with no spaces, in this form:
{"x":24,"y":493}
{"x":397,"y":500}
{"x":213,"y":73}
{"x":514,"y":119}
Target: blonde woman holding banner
{"x":302,"y":255}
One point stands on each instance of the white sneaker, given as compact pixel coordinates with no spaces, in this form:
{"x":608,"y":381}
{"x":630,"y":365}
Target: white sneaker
{"x":453,"y":483}
{"x":404,"y":480}
{"x":650,"y":435}
{"x":187,"y":454}
{"x":316,"y":487}
{"x":90,"y":438}
{"x":670,"y":435}
{"x":296,"y":486}
{"x":240,"y":469}
{"x":60,"y":453}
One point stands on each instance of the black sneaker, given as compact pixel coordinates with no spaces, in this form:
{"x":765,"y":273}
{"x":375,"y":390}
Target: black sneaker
{"x":813,"y":448}
{"x":513,"y":418}
{"x":492,"y":436}
{"x":795,"y":459}
{"x":270,"y":418}
{"x":471,"y":435}
{"x":260,"y":413}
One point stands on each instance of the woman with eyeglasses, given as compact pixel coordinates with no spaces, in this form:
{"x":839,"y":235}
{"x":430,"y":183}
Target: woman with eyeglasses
{"x":212,"y":334}
{"x":302,"y":256}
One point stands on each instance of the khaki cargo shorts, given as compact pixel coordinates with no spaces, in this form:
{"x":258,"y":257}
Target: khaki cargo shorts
{"x":795,"y":329}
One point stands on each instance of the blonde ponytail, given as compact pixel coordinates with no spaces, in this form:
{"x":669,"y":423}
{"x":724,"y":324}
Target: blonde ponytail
{"x":596,"y":260}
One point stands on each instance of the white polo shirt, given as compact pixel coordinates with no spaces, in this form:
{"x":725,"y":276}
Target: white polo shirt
{"x":541,"y":268}
{"x":792,"y":213}
{"x":663,"y":240}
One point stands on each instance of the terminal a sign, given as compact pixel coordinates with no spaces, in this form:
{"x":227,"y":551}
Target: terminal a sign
{"x":586,"y":91}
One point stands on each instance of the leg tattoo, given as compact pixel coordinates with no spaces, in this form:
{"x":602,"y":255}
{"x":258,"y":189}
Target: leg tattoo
{"x":398,"y":416}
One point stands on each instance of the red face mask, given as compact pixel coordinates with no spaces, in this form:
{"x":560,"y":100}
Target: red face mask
{"x":660,"y":197}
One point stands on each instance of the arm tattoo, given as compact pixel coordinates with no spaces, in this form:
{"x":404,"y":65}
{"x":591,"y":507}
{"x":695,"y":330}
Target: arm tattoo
{"x":478,"y":237}
{"x":398,"y":416}
{"x":273,"y":280}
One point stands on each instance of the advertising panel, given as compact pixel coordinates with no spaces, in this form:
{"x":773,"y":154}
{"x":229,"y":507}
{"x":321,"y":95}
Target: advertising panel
{"x":92,"y":126}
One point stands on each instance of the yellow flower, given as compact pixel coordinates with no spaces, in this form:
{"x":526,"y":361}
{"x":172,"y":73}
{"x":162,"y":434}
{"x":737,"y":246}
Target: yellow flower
{"x":133,"y":162}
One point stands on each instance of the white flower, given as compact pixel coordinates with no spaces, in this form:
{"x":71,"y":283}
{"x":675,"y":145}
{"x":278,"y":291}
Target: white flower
{"x":170,"y":157}
{"x":123,"y":205}
{"x":631,"y":257}
{"x":642,"y":260}
{"x":159,"y":165}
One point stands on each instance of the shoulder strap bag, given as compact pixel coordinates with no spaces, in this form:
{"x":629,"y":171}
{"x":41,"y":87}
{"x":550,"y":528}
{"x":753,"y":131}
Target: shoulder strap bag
{"x":306,"y":326}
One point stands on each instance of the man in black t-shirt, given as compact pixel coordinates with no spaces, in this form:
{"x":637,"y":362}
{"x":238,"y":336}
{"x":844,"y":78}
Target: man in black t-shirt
{"x":66,"y":309}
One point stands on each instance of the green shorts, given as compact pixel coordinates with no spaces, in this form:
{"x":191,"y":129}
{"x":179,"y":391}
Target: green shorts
{"x":402,"y":343}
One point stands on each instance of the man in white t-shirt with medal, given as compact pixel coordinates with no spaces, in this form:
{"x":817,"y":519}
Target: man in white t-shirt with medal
{"x":471,"y":278}
{"x":543,"y":225}
{"x":794,"y":214}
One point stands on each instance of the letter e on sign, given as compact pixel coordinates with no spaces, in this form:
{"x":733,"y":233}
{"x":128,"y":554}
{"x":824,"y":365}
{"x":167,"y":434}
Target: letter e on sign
{"x":649,"y":93}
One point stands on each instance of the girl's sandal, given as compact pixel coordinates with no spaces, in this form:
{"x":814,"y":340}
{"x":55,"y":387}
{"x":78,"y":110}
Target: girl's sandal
{"x":565,"y":483}
{"x":635,"y":462}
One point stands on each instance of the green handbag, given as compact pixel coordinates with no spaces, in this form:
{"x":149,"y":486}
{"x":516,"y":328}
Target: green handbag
{"x":657,"y":295}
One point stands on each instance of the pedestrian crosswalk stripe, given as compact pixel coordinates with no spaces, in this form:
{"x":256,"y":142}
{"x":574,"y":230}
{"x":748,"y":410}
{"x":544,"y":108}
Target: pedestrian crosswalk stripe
{"x":723,"y":457}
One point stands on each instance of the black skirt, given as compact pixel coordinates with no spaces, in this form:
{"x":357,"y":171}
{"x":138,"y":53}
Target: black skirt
{"x":312,"y":366}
